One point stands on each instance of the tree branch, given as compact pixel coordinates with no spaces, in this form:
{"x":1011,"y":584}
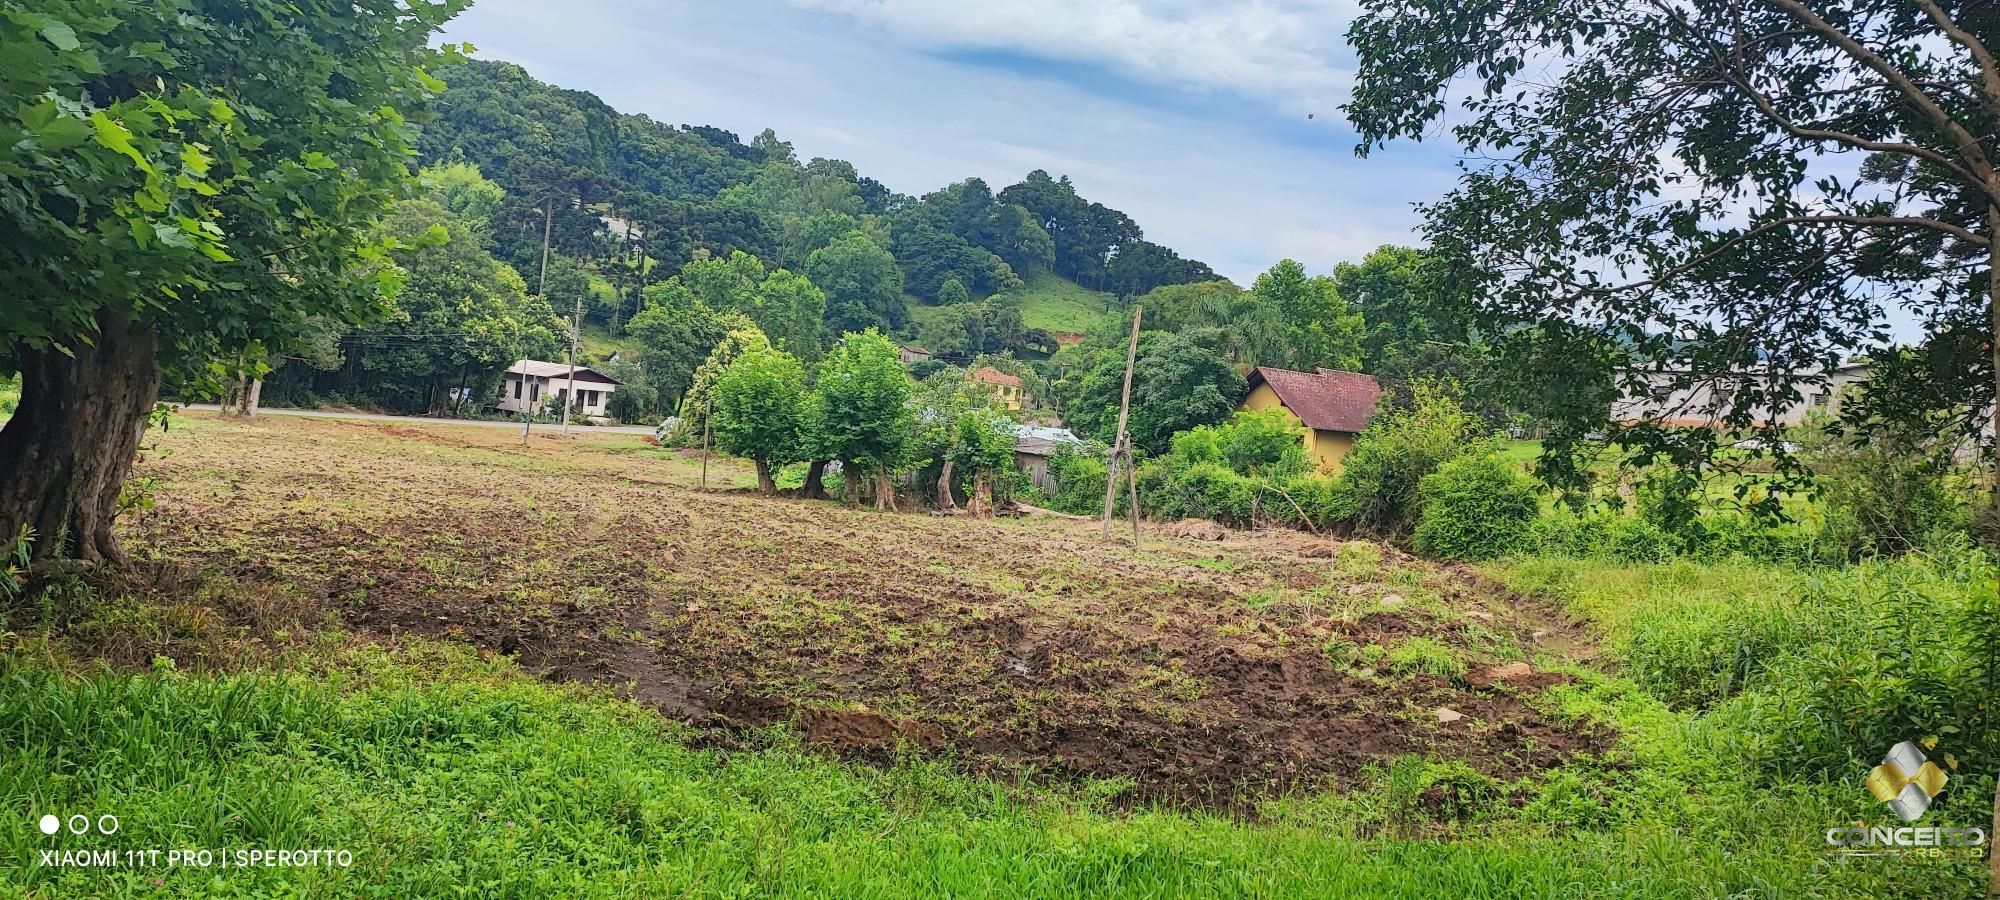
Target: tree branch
{"x":1777,"y":117}
{"x":1775,"y":224}
{"x":1969,"y":145}
{"x":1988,"y":69}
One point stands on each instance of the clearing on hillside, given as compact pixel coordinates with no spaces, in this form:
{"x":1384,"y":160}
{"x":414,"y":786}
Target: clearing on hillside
{"x":1199,"y":671}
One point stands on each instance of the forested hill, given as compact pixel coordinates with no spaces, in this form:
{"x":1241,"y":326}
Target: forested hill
{"x":690,"y":187}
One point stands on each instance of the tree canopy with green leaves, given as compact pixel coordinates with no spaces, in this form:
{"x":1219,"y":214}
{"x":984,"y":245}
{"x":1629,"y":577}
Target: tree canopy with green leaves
{"x":1720,"y":190}
{"x":760,"y":410}
{"x":1179,"y":381}
{"x":460,"y":317}
{"x":863,"y":417}
{"x":863,"y":287}
{"x":1405,"y":302}
{"x":697,"y":402}
{"x":1321,"y":329}
{"x":182,"y":182}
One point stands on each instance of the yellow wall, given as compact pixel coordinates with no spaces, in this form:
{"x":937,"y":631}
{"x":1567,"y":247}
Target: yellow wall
{"x":1327,"y":448}
{"x":1264,"y":398}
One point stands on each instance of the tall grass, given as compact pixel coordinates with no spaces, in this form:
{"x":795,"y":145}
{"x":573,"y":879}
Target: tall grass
{"x":1807,"y":676}
{"x":447,"y":775}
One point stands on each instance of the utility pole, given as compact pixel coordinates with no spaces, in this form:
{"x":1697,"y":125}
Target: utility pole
{"x":528,"y":390}
{"x":575,"y":333}
{"x":706,"y":417}
{"x":1121,"y":449}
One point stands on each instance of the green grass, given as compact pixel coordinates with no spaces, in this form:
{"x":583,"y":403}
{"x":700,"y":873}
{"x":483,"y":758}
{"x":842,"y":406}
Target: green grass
{"x":1793,"y":682}
{"x":443,"y":773}
{"x":1057,"y":304}
{"x":1522,"y":453}
{"x":10,"y":395}
{"x":1049,"y":302}
{"x":599,"y":344}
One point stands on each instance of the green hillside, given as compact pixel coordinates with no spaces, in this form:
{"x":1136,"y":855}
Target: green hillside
{"x":1054,"y":303}
{"x":1049,"y":302}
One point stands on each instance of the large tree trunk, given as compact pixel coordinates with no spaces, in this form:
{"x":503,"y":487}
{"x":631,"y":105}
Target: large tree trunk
{"x":815,"y":484}
{"x":944,"y":488}
{"x":982,"y":495}
{"x":66,"y":452}
{"x":766,"y":485}
{"x":885,"y":491}
{"x":852,"y":475}
{"x":252,"y":393}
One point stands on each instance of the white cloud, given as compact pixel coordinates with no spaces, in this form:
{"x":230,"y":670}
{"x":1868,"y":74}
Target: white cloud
{"x":1289,"y":52}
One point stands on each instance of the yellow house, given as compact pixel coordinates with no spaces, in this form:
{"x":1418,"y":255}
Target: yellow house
{"x":1006,"y":387}
{"x":1330,"y":406}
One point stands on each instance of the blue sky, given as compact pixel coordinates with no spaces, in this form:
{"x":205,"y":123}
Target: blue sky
{"x":1189,"y":116}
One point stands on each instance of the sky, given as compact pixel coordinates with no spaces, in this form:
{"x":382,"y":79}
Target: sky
{"x":1191,"y":117}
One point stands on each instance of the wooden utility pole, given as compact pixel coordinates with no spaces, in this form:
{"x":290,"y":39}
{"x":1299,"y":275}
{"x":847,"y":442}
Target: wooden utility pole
{"x":1121,"y":449}
{"x":528,"y":390}
{"x":706,"y":417}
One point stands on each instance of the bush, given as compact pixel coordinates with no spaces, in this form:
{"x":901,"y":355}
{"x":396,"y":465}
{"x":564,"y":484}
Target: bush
{"x":1079,"y":474}
{"x":1566,"y":532}
{"x":1888,"y":495}
{"x":1264,"y":442}
{"x":1204,"y":490}
{"x":1476,"y":508}
{"x":1399,"y":448}
{"x":1633,"y":539}
{"x":1324,"y":501}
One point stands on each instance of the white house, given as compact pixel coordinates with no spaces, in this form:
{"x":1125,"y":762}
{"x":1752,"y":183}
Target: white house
{"x":1674,"y":397}
{"x":530,"y":382}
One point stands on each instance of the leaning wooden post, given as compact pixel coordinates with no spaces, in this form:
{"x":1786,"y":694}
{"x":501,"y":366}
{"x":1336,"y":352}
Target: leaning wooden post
{"x":1124,"y":411}
{"x":707,"y":416}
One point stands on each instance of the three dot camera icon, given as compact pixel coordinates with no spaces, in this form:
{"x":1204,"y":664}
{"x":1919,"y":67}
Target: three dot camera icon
{"x":1906,"y":780}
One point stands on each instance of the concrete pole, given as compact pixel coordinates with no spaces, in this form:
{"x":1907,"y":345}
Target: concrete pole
{"x":527,"y":390}
{"x":575,"y":333}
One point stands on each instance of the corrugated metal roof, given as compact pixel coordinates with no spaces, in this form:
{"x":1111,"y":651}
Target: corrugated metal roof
{"x":1043,"y":440}
{"x":1326,"y":399}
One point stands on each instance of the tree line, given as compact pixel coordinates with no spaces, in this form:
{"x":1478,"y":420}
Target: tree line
{"x":627,"y":198}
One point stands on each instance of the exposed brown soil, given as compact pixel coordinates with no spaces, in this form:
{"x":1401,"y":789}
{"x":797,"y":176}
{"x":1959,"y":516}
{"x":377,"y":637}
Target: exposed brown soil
{"x":1196,"y":669}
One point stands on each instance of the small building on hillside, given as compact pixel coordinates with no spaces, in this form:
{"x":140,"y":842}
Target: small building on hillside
{"x":1004,"y":386}
{"x":1034,"y":445}
{"x":530,"y":382}
{"x":912,"y":354}
{"x":1331,"y":407}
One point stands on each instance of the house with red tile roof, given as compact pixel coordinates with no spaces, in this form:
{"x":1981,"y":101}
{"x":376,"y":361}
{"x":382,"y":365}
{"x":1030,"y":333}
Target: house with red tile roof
{"x":1330,"y":406}
{"x":1004,"y":386}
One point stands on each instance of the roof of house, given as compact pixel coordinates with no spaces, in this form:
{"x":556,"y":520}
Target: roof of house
{"x":1042,"y":440}
{"x":913,"y":348}
{"x":542,"y":369}
{"x":1324,"y":399}
{"x":991,"y":375}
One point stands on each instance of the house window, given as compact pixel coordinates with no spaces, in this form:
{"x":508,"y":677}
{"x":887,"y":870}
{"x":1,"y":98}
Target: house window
{"x":534,"y":393}
{"x":1821,"y":399}
{"x":590,"y":398}
{"x":517,"y":389}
